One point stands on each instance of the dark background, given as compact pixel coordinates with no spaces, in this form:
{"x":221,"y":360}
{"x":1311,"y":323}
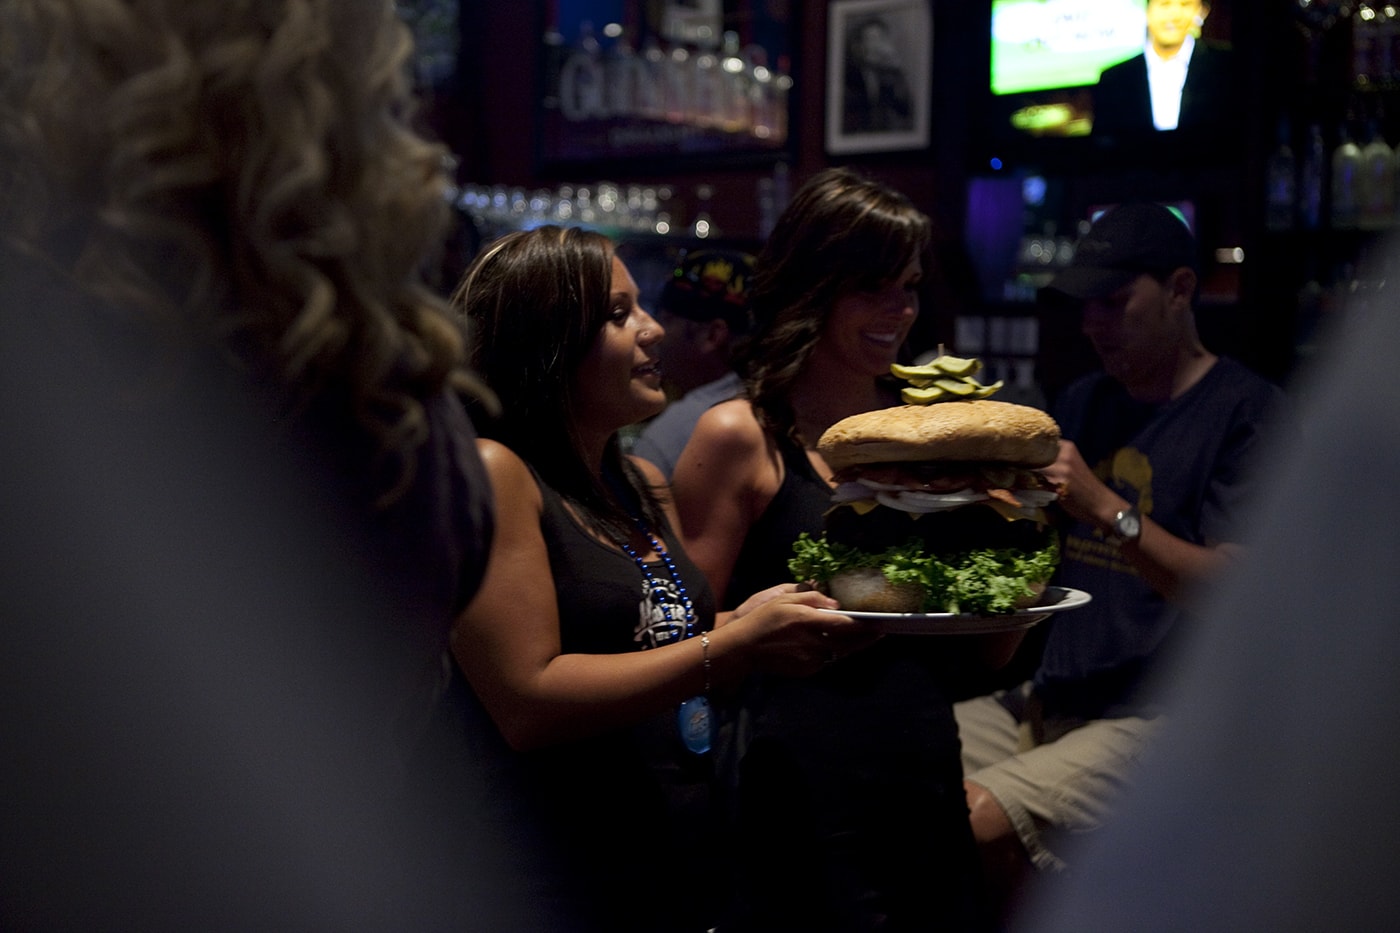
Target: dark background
{"x":1294,"y":66}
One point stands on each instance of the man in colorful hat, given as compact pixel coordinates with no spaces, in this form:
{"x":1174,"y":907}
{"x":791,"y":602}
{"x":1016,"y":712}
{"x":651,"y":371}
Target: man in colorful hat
{"x":705,"y":309}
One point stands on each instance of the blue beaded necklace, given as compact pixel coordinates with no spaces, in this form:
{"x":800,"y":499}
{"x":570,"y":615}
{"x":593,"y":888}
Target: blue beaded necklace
{"x":687,"y":628}
{"x":693,"y":717}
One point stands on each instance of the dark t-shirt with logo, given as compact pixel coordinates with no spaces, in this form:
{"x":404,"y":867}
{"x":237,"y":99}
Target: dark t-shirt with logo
{"x":1188,"y":464}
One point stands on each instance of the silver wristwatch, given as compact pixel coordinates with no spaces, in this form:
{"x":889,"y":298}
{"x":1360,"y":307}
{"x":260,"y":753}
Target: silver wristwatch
{"x":1127,"y":526}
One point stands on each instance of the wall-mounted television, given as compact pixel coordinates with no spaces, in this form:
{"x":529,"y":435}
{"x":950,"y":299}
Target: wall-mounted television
{"x":1046,"y":55}
{"x":1103,"y":70}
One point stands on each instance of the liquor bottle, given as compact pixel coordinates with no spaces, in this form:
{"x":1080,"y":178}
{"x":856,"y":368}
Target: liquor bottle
{"x":1364,"y":41}
{"x":624,"y":75}
{"x":707,"y":77}
{"x":1346,"y":172}
{"x":1281,"y":197}
{"x":1395,"y":217}
{"x":582,"y":82}
{"x":1377,"y":182}
{"x":767,"y":207}
{"x":1311,"y":180}
{"x":734,"y":75}
{"x":702,"y":227}
{"x":652,"y":91}
{"x":1387,"y":31}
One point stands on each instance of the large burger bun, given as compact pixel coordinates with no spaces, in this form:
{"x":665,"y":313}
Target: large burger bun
{"x":937,"y":508}
{"x":981,"y":430}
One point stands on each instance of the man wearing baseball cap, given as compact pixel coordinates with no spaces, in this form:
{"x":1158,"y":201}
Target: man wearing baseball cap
{"x":704,"y":307}
{"x":1156,"y":461}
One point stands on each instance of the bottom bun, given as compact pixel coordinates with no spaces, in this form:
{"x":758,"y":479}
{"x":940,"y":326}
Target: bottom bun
{"x":867,"y":590}
{"x":1037,"y":590}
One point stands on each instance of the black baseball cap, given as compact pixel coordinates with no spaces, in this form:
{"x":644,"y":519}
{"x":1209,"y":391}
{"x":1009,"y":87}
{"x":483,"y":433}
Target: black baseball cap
{"x":709,"y":284}
{"x":1126,"y":241}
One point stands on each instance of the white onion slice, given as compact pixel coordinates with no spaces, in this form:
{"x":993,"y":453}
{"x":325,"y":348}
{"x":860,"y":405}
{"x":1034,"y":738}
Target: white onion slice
{"x":878,"y":486}
{"x":924,"y":502}
{"x":960,"y":497}
{"x":849,"y":492}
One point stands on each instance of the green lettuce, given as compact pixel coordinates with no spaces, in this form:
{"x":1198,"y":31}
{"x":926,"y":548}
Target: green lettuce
{"x":978,"y":582}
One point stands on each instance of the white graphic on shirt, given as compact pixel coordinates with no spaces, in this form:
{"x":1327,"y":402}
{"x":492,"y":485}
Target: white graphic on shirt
{"x":652,"y":628}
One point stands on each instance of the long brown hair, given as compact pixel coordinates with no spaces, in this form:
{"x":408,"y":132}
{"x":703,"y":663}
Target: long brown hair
{"x":841,"y":233}
{"x":536,"y":301}
{"x":241,"y":173}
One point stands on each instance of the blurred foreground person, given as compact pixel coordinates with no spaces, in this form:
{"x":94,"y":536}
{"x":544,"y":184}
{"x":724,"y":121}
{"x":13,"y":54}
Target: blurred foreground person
{"x":241,"y":495}
{"x":1267,"y":801}
{"x":594,"y":646}
{"x":847,"y":786}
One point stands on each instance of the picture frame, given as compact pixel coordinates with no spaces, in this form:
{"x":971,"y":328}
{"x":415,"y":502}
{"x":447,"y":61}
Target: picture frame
{"x":884,"y":105}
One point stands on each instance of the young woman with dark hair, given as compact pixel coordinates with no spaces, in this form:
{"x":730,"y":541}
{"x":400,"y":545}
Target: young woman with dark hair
{"x":593,"y":645}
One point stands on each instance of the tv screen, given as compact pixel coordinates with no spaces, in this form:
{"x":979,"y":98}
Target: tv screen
{"x":1108,"y":68}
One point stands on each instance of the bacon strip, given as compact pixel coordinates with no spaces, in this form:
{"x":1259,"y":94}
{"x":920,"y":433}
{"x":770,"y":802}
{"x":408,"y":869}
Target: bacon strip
{"x":1005,"y":495}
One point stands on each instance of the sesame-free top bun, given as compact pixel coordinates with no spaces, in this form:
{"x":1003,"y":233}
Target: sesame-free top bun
{"x":980,"y":430}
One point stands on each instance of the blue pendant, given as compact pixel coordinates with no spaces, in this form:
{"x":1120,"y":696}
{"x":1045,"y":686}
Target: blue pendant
{"x":696,"y":727}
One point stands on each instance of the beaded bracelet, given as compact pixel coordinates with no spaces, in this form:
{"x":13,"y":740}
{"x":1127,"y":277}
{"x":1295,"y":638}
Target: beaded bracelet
{"x":705,"y":654}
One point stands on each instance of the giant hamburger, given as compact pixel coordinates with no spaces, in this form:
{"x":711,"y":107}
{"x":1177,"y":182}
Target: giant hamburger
{"x":938,"y":508}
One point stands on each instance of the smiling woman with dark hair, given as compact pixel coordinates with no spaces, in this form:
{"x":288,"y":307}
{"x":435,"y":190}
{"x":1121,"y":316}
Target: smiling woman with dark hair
{"x":847,"y":783}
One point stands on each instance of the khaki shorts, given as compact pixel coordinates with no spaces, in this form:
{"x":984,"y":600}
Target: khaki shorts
{"x":1054,"y":778}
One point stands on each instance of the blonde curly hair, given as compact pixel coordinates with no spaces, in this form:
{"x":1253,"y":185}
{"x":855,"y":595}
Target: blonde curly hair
{"x":243,"y":171}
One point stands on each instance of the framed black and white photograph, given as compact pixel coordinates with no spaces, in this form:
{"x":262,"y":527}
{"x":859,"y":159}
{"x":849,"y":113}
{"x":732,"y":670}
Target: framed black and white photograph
{"x":879,"y":67}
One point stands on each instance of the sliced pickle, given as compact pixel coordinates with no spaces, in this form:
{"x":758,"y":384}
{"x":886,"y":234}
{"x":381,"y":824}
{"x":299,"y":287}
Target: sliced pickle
{"x":913,"y":373}
{"x":917,"y":396}
{"x":957,"y":365}
{"x":943,"y":379}
{"x":957,"y":386}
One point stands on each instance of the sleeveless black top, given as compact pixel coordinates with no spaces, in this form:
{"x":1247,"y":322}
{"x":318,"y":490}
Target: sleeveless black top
{"x":799,"y":505}
{"x":625,"y":818}
{"x":632,"y":806}
{"x":844,"y":789}
{"x":604,"y":603}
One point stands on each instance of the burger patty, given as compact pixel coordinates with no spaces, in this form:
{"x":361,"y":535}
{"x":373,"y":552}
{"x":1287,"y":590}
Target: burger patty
{"x":947,"y":476}
{"x":972,"y":527}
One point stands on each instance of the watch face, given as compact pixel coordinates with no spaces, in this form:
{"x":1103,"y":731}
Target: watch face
{"x":1127,"y":525}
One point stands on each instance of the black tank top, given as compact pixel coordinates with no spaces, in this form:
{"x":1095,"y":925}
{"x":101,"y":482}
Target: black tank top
{"x":633,"y":802}
{"x":604,"y":601}
{"x":799,"y":505}
{"x":828,"y":777}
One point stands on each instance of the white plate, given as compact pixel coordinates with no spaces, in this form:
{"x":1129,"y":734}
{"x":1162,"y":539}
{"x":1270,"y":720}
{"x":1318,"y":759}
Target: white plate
{"x":1055,"y":599}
